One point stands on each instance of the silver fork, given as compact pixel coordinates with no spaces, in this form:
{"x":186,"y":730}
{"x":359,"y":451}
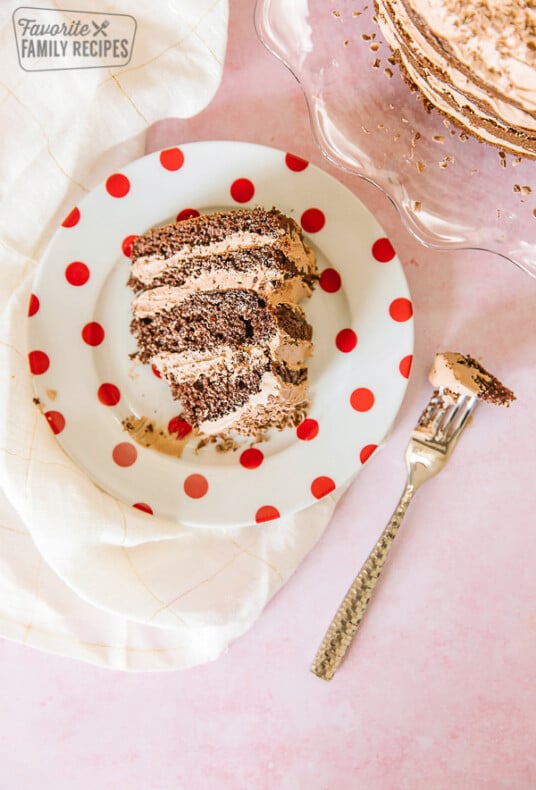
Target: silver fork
{"x":431,"y":444}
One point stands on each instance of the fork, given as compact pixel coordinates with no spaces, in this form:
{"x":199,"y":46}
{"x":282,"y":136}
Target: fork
{"x":431,"y":444}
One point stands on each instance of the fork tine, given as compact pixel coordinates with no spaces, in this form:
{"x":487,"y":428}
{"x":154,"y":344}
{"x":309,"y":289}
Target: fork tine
{"x":438,"y":407}
{"x":455,"y":421}
{"x":451,"y":414}
{"x":444,"y":418}
{"x":447,"y":417}
{"x":469,"y":405}
{"x":441,"y":416}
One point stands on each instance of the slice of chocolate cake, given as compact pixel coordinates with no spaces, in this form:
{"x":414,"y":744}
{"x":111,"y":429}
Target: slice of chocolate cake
{"x":216,"y":313}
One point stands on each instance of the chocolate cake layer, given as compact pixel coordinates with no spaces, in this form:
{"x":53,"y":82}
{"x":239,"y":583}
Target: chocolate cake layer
{"x":203,"y":231}
{"x":292,"y":320}
{"x":277,"y":404}
{"x":212,"y":395}
{"x":205,"y":320}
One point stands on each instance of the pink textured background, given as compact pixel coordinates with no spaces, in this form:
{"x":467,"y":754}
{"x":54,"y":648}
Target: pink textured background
{"x":439,"y":689}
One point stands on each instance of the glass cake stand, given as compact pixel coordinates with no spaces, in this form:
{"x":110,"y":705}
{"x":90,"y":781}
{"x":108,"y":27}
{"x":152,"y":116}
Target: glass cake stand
{"x":451,"y":190}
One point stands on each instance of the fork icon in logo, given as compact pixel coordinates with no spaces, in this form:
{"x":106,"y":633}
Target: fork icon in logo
{"x":100,"y":28}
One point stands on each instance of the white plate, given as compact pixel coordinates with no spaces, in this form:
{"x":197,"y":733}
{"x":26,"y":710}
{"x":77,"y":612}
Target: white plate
{"x":356,"y":387}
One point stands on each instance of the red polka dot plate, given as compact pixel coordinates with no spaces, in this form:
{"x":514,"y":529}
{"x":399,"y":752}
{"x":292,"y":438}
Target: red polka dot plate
{"x":88,"y":385}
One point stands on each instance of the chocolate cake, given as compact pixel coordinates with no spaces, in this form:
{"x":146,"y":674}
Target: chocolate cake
{"x":216,"y":313}
{"x":461,"y":374}
{"x":476,"y":62}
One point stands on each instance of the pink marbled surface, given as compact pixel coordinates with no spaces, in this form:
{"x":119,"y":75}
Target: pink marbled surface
{"x":439,"y":690}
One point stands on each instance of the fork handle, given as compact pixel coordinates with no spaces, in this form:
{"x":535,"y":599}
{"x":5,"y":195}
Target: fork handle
{"x":348,"y":617}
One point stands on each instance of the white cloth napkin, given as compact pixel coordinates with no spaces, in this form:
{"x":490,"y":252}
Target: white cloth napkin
{"x":163,"y":596}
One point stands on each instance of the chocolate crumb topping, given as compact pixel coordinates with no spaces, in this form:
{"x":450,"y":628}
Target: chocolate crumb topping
{"x":490,"y":388}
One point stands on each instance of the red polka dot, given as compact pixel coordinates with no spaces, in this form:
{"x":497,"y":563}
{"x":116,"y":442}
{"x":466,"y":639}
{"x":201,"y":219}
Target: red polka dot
{"x":346,"y":340}
{"x":405,"y":366}
{"x":124,"y":454}
{"x":126,"y":245}
{"x":56,"y":420}
{"x":108,"y":394}
{"x":321,"y":486}
{"x":187,"y":213}
{"x":383,"y":250}
{"x":266,"y":513}
{"x":117,"y":185}
{"x":196,"y":486}
{"x":33,"y":305}
{"x":242,"y":190}
{"x":144,"y":507}
{"x":77,"y":273}
{"x":172,"y":158}
{"x":39,"y":362}
{"x":251,"y":458}
{"x":156,"y":372}
{"x":179,"y":427}
{"x":330,"y":280}
{"x":307,"y":430}
{"x":401,"y":309}
{"x":295,"y":163}
{"x":362,"y":399}
{"x":72,"y":218}
{"x":366,"y":452}
{"x":93,"y":334}
{"x":312,"y":220}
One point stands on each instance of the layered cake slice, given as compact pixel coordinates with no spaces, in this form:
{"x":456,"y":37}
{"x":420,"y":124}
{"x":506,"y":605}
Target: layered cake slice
{"x":216,"y":313}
